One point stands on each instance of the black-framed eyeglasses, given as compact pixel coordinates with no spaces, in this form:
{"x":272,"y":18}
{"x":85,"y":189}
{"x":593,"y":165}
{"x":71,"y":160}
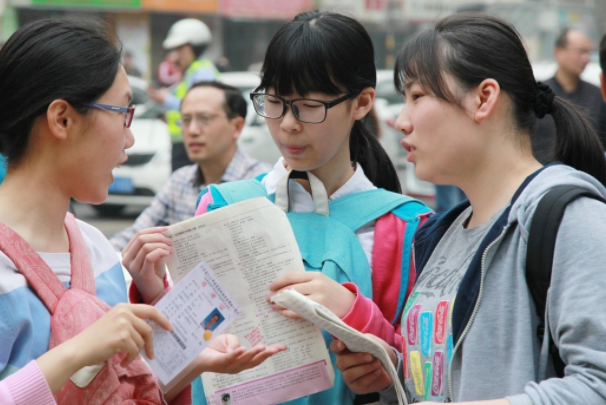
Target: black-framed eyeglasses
{"x":128,"y":112}
{"x":306,"y":110}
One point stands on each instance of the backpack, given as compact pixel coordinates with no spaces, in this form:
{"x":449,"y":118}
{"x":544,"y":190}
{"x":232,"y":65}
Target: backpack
{"x":539,"y":256}
{"x":326,"y":237}
{"x":105,"y":383}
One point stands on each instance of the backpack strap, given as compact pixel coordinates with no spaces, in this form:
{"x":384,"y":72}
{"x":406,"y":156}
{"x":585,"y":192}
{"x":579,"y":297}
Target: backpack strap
{"x":358,"y":209}
{"x":38,"y":274}
{"x":540,"y":249}
{"x":82,"y":274}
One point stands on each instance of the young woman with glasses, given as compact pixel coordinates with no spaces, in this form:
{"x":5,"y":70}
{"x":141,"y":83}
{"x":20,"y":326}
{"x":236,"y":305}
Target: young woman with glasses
{"x":64,"y":127}
{"x":472,"y":332}
{"x":317,"y":87}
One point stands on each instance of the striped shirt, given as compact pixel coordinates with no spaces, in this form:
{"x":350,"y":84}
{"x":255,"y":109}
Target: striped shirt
{"x":176,"y":201}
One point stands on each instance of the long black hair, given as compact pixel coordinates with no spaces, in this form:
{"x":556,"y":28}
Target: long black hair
{"x":473,"y":47}
{"x":74,"y":59}
{"x":332,"y":54}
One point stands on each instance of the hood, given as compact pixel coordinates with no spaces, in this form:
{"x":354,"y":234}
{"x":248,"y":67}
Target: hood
{"x":539,"y":183}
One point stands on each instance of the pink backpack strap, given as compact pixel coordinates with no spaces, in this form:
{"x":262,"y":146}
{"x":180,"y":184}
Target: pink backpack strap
{"x":39,"y":276}
{"x":82,"y":274}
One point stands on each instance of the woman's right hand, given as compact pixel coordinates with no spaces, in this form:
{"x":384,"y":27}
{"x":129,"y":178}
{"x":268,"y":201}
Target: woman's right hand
{"x":121,"y":330}
{"x":144,"y":257}
{"x":362,"y":372}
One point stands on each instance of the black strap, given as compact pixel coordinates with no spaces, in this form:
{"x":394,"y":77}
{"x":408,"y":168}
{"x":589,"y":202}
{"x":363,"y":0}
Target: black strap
{"x":366,"y":398}
{"x":541,"y":245}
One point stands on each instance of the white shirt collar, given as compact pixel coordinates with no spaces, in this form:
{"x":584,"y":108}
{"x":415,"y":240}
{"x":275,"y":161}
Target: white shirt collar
{"x":300,"y":199}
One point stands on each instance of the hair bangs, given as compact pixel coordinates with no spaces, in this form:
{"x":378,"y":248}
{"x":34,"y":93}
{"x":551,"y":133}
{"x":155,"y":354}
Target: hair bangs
{"x":421,"y":61}
{"x":296,"y":62}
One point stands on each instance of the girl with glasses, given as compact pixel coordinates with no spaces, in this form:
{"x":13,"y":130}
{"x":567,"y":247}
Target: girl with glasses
{"x":66,"y":334}
{"x":471,"y":326}
{"x":317,"y":87}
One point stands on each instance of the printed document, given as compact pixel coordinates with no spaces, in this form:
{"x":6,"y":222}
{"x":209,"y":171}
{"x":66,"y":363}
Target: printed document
{"x":353,"y":339}
{"x":199,"y":309}
{"x":248,"y":245}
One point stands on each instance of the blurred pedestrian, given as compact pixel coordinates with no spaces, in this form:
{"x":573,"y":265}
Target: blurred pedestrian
{"x":223,"y":64}
{"x":212,"y":119}
{"x":129,"y":65}
{"x":572,"y":53}
{"x":168,"y":70}
{"x":190,"y":38}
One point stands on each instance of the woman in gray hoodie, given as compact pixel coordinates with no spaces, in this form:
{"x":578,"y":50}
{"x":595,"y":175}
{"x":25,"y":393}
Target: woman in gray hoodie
{"x":470,"y":325}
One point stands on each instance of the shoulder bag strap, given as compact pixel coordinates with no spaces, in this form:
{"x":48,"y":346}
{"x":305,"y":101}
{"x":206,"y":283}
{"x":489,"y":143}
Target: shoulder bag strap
{"x":540,"y":249}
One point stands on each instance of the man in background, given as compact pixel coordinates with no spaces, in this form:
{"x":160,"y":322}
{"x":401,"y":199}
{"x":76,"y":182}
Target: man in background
{"x":212,"y":118}
{"x":189,"y":38}
{"x":572,"y":53}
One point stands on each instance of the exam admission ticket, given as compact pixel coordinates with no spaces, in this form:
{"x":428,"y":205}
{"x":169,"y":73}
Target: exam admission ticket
{"x":199,"y":309}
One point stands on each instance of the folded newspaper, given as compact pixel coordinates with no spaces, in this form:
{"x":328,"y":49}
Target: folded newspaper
{"x":353,"y":339}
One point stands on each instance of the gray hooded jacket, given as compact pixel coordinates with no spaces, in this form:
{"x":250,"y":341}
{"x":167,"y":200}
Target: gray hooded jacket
{"x":497,"y":352}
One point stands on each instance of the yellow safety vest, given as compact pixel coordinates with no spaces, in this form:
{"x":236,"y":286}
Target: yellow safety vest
{"x":172,"y":116}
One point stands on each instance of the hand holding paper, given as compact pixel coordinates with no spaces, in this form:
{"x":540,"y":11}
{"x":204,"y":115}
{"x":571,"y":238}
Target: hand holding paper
{"x":354,"y":340}
{"x":362,"y":372}
{"x":317,"y":287}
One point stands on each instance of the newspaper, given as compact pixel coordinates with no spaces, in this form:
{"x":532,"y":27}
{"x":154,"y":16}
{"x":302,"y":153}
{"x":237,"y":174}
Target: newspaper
{"x":198,"y":309}
{"x":248,"y":245}
{"x":353,"y":339}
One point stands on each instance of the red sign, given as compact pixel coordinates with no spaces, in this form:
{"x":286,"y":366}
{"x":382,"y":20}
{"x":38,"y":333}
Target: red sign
{"x":376,"y":4}
{"x":270,"y":9}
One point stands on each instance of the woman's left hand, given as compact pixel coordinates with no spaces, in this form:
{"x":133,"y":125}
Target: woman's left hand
{"x":143,"y":257}
{"x":317,"y":287}
{"x":225,"y":355}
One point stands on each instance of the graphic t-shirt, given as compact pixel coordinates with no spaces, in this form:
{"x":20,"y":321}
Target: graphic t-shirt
{"x":426,"y":325}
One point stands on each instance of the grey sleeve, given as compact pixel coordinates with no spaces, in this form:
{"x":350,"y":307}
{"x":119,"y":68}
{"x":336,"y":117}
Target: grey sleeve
{"x":388,"y":395}
{"x":576,"y":310}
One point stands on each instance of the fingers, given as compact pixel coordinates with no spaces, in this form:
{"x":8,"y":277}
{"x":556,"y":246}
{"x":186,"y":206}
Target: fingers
{"x":351,"y":359}
{"x":264,"y":355}
{"x":144,"y":311}
{"x":290,"y":279}
{"x":147,"y":231}
{"x":144,"y":255}
{"x":338,"y":347}
{"x":372,"y":381}
{"x":369,"y":371}
{"x":255,"y":356}
{"x":287,"y":313}
{"x":130,"y":347}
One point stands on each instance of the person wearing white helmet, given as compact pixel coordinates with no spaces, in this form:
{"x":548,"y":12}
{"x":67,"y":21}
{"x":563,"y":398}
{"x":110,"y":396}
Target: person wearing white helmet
{"x":189,"y":38}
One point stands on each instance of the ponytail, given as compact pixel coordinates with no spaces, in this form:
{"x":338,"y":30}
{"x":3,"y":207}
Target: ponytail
{"x":366,"y":149}
{"x":577,"y":144}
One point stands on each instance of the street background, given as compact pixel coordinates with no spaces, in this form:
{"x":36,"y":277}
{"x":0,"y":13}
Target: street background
{"x":241,"y":30}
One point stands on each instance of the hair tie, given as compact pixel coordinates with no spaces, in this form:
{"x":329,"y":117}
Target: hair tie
{"x":543,"y":100}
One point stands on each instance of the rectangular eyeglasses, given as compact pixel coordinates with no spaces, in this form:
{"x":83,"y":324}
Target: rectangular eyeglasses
{"x":128,"y":111}
{"x":306,"y":110}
